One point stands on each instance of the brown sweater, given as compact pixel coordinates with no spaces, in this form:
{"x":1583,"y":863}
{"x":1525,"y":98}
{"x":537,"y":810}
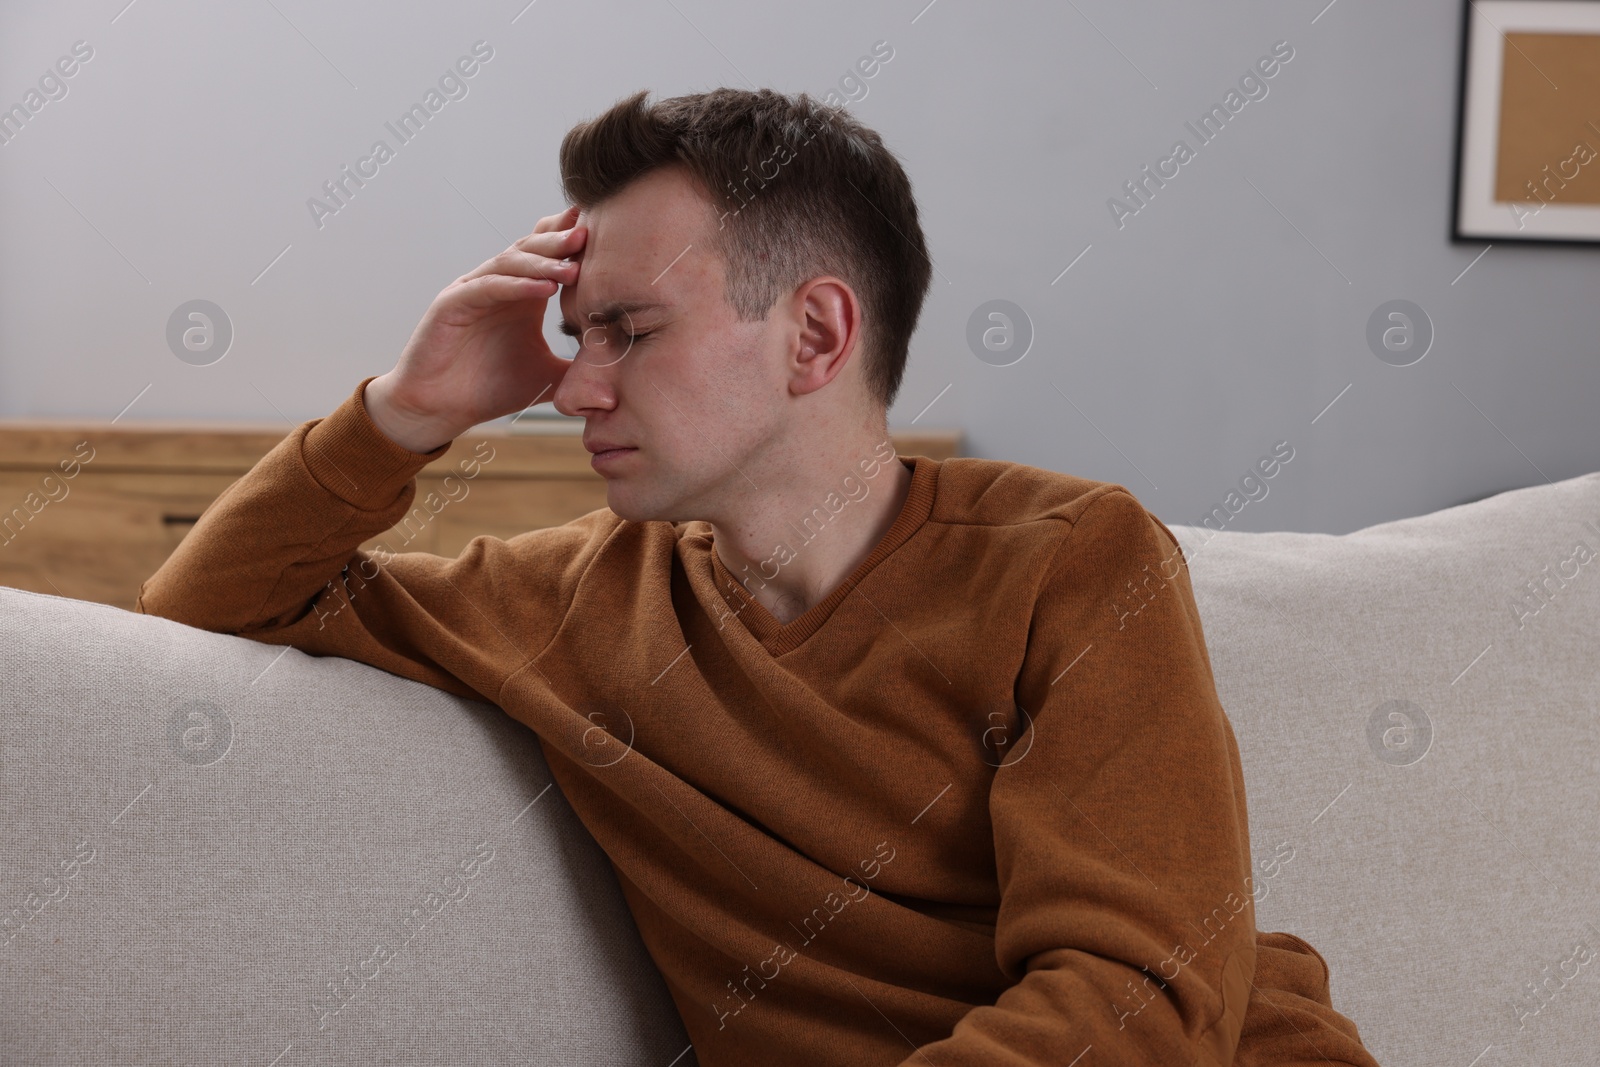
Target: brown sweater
{"x":979,"y":806}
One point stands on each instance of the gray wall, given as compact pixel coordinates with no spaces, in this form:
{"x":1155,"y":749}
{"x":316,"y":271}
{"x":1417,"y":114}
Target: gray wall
{"x":1221,"y":319}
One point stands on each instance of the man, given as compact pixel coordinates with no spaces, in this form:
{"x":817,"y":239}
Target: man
{"x":897,"y":761}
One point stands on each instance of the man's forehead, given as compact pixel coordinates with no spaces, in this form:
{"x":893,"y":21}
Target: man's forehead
{"x":630,"y":266}
{"x":648,"y":221}
{"x":647,"y":250}
{"x":615,"y":289}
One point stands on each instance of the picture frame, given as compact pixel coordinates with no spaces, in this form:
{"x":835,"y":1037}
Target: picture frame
{"x":1527,"y":166}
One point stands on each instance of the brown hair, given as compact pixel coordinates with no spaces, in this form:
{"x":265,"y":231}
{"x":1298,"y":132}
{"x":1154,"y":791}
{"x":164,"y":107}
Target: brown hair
{"x":804,"y":190}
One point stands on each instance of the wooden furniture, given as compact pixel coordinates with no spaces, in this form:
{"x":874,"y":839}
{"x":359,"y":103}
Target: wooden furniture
{"x":96,"y":530}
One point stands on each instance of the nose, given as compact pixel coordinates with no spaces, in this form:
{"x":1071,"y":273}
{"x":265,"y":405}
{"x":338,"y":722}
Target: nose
{"x":588,"y":384}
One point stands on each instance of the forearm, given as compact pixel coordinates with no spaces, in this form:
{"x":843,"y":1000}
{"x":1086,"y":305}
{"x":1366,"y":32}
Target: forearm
{"x":409,"y":429}
{"x":1079,"y":1007}
{"x":270,"y":542}
{"x":1291,"y":1021}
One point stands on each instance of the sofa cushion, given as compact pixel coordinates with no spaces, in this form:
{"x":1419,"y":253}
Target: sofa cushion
{"x":217,"y":850}
{"x":1419,"y":737}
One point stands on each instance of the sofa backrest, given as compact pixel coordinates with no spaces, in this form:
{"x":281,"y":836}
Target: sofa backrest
{"x":1416,"y":709}
{"x":221,"y":851}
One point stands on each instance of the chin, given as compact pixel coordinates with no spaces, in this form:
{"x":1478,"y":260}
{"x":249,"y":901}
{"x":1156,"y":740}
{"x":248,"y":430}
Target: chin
{"x":624,"y":507}
{"x":653,"y":506}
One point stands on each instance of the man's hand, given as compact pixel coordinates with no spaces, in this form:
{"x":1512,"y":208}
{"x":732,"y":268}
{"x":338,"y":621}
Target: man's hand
{"x":479,"y":351}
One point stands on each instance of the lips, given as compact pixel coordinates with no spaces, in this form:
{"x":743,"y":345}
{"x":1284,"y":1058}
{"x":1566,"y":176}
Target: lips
{"x":606,"y":454}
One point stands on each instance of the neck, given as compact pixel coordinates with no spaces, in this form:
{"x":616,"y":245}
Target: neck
{"x":797,"y":539}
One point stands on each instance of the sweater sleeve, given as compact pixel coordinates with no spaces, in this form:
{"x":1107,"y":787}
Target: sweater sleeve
{"x":1126,"y":918}
{"x":1292,"y":1021}
{"x":276,"y":558}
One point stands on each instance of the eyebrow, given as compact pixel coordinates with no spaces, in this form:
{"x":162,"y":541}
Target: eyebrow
{"x":612,"y":312}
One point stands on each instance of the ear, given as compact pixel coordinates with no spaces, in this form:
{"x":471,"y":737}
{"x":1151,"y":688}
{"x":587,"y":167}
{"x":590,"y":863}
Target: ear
{"x":827,"y":331}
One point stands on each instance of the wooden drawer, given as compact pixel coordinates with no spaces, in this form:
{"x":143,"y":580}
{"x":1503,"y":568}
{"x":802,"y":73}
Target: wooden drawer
{"x":89,"y":542}
{"x":100,"y":532}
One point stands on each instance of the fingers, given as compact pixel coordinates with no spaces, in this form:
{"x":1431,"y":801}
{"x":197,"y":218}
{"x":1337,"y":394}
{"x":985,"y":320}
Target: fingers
{"x":491,"y":290}
{"x":537,"y":256}
{"x":555,"y":235}
{"x":562,"y":221}
{"x":514,"y":261}
{"x":557,"y":244}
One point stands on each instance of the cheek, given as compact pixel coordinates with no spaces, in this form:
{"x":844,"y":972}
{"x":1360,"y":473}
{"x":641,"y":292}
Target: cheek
{"x":753,"y":365}
{"x":712,"y":379}
{"x":749,"y":392}
{"x":718,"y":388}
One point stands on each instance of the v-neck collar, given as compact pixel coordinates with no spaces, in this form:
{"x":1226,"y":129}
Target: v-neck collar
{"x":779,"y":638}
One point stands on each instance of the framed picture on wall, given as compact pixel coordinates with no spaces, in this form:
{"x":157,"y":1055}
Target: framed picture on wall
{"x":1528,"y":123}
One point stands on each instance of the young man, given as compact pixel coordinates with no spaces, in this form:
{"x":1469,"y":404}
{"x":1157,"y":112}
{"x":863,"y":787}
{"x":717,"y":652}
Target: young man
{"x":897,"y":761}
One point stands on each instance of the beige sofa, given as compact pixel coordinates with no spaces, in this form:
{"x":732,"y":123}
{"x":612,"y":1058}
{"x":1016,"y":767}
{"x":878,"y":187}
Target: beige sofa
{"x":207,"y":839}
